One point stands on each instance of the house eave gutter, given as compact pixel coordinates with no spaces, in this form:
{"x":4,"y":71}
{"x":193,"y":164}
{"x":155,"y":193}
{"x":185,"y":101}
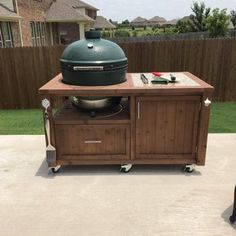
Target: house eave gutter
{"x":10,"y":18}
{"x":68,"y":21}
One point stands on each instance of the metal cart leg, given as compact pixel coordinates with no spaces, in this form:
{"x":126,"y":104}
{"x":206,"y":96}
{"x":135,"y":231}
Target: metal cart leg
{"x":232,"y":218}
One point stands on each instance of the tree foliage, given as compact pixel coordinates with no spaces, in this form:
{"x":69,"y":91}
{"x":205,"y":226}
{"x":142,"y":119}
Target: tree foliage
{"x":200,"y":14}
{"x":122,"y":33}
{"x":183,"y":26}
{"x":217,"y":23}
{"x":125,"y":22}
{"x":233,"y":18}
{"x":105,"y":34}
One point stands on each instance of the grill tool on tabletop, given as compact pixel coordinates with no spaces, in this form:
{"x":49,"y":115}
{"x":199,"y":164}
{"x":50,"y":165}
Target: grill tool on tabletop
{"x":172,"y":78}
{"x":160,"y":80}
{"x":157,"y":80}
{"x":158,"y":74}
{"x":163,"y":80}
{"x":144,"y":79}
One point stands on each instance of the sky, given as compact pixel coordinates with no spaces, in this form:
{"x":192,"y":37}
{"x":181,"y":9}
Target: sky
{"x":119,"y":10}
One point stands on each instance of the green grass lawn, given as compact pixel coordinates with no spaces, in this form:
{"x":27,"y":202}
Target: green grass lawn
{"x":223,"y":117}
{"x":21,"y":121}
{"x":222,"y":120}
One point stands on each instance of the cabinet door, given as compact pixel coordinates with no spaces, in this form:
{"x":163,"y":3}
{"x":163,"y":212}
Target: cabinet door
{"x":166,"y":126}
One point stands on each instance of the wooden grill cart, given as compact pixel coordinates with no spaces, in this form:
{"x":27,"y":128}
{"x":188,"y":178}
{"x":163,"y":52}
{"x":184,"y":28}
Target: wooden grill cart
{"x":160,"y":123}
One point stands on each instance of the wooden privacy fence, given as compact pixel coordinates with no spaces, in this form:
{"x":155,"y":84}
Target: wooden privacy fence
{"x":24,"y":70}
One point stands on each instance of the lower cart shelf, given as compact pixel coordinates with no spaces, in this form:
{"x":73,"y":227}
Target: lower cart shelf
{"x":69,"y":114}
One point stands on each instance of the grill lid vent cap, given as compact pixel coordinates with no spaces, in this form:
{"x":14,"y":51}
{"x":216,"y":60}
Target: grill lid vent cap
{"x":92,"y":34}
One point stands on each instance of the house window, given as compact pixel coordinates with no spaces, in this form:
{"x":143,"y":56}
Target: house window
{"x":38,"y":33}
{"x":5,"y":35}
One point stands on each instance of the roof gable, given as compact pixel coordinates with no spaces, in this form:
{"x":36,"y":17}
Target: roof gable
{"x":66,"y":11}
{"x":7,"y":14}
{"x":101,"y":22}
{"x":81,"y":4}
{"x":170,"y":22}
{"x":158,"y":19}
{"x":139,"y":19}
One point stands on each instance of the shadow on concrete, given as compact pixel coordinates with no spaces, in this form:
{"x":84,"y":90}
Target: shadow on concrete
{"x":226,"y":214}
{"x":85,"y":170}
{"x":43,"y":171}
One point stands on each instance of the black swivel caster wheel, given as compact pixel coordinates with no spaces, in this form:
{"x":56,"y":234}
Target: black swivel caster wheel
{"x":189,"y":168}
{"x":55,"y":169}
{"x":232,"y":219}
{"x":125,"y":168}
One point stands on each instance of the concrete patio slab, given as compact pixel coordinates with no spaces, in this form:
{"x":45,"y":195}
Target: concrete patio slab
{"x":99,"y":200}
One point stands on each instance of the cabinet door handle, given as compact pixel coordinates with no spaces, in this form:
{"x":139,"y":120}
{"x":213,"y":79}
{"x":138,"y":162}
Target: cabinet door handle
{"x":138,"y":110}
{"x":92,"y":141}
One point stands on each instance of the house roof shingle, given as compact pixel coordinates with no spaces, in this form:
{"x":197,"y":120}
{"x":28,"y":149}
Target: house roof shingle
{"x":8,"y":14}
{"x":157,"y":19}
{"x":171,"y":22}
{"x":101,"y":23}
{"x":139,"y":19}
{"x":81,"y":4}
{"x":67,"y":11}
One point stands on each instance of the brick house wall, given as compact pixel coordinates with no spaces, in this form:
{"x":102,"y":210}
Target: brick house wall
{"x":54,"y":27}
{"x":15,"y":34}
{"x":33,"y":10}
{"x":69,"y":32}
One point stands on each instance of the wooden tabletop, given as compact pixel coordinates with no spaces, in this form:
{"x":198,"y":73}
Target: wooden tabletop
{"x":57,"y":87}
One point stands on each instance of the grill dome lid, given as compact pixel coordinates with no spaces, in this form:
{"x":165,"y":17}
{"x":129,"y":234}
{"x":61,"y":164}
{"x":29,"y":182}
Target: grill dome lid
{"x":93,"y":62}
{"x":93,"y":50}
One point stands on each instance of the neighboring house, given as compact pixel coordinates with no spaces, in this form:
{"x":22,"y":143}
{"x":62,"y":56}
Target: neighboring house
{"x":114,"y":22}
{"x":43,"y":22}
{"x":156,"y":20}
{"x":139,"y":22}
{"x":9,"y":24}
{"x":70,"y":18}
{"x":170,"y":23}
{"x":102,"y":23}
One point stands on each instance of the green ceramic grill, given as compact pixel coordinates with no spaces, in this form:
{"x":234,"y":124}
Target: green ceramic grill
{"x":93,"y":62}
